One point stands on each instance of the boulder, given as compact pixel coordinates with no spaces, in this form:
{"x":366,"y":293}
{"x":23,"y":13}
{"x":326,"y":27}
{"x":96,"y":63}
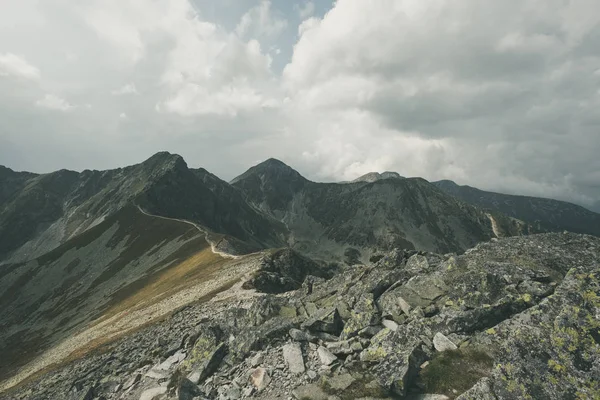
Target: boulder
{"x":260,"y":378}
{"x":442,"y":343}
{"x":326,"y":356}
{"x":154,"y":393}
{"x":292,"y":354}
{"x":363,"y":315}
{"x":187,"y":390}
{"x":326,"y":320}
{"x":309,"y":392}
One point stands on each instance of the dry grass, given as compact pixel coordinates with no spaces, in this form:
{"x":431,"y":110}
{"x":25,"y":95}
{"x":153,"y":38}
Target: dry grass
{"x":200,"y":267}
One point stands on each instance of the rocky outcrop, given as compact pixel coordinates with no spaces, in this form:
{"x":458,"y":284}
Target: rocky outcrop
{"x":286,"y":270}
{"x":512,"y":318}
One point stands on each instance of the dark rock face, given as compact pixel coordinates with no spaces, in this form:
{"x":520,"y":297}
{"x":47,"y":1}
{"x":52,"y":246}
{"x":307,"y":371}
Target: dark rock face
{"x":512,"y":318}
{"x":40,"y":212}
{"x":324,"y":219}
{"x":285,"y":270}
{"x":544,"y":214}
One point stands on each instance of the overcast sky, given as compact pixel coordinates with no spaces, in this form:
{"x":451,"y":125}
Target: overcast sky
{"x":502,"y":95}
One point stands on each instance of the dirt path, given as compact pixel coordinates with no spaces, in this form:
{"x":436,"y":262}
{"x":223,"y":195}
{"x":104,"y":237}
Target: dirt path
{"x":202,"y":230}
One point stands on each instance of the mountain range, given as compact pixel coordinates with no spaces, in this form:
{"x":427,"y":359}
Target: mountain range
{"x":93,"y":249}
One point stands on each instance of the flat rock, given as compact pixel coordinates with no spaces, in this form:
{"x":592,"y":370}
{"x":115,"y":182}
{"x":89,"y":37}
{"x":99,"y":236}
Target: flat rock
{"x":391,"y":325}
{"x":442,"y":343}
{"x":260,"y":378}
{"x":326,"y":356}
{"x":153,"y":393}
{"x":309,"y":392}
{"x":292,"y":354}
{"x":156,"y":374}
{"x":340,"y":382}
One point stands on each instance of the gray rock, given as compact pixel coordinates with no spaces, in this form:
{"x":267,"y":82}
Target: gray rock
{"x":326,"y":356}
{"x":256,"y":360}
{"x":157,"y":374}
{"x":309,"y":392}
{"x":292,"y":354}
{"x":260,"y":378}
{"x":132,"y":381}
{"x":442,"y":343}
{"x":187,"y":390}
{"x":300,"y":336}
{"x":391,"y":325}
{"x":339,"y":383}
{"x":154,"y":393}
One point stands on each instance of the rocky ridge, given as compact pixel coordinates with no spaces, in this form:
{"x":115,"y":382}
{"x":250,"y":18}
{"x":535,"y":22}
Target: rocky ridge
{"x":510,"y":318}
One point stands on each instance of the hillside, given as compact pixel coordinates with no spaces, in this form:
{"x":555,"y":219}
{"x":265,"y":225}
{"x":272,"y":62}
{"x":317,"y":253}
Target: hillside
{"x":510,"y":319}
{"x":40,"y":212}
{"x":324,"y":219}
{"x":545,"y":214}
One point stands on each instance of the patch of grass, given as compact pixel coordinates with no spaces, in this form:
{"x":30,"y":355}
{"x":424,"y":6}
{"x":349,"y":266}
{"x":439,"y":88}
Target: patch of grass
{"x":456,"y":370}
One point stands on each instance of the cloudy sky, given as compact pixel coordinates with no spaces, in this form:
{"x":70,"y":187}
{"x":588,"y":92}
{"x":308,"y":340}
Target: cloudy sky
{"x":502,"y":95}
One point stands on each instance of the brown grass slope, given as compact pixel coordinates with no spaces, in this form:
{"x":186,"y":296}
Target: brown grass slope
{"x":128,"y":261}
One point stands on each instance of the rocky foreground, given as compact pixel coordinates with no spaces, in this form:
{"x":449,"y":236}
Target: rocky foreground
{"x":515,"y":318}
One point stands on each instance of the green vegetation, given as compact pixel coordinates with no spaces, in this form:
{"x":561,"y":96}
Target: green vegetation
{"x":456,"y":370}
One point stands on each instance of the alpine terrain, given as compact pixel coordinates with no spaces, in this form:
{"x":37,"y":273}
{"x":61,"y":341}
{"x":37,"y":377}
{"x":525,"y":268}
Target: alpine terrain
{"x":161,"y":281}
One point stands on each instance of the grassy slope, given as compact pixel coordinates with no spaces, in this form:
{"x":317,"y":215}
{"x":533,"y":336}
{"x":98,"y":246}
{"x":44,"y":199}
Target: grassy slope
{"x":129,"y":261}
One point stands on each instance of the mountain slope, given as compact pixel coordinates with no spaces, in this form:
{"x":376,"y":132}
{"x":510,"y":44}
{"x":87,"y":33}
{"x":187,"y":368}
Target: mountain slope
{"x":40,"y":212}
{"x":546,"y":214}
{"x":47,"y":299}
{"x":326,"y":218}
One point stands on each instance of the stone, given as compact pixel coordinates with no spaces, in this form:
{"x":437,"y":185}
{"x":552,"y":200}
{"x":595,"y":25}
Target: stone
{"x":156,"y":374}
{"x":169,"y":362}
{"x":300,"y":336}
{"x":326,"y":356}
{"x":312,"y":375}
{"x":249,"y":391}
{"x":132,"y":381}
{"x":256,"y":360}
{"x":187,"y":390}
{"x":369,"y":331}
{"x":339,"y":383}
{"x":309,"y":392}
{"x":391,"y":325}
{"x":292,"y":354}
{"x":260,"y":378}
{"x":363,"y":314}
{"x":481,"y":391}
{"x":326,"y":320}
{"x":442,"y":343}
{"x":154,"y":393}
{"x":211,"y":361}
{"x":229,"y":393}
{"x":194,"y":377}
{"x":342,"y":347}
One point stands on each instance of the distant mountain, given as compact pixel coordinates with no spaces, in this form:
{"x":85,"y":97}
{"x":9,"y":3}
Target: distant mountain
{"x":40,"y":212}
{"x":326,"y":218}
{"x":544,"y":214}
{"x":376,"y":176}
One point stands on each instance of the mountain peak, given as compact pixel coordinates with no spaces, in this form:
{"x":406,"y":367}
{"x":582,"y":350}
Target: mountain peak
{"x":164,"y":160}
{"x":271,"y":169}
{"x":376,"y":176}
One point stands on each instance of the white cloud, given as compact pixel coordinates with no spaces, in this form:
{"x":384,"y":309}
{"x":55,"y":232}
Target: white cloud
{"x":439,"y":80}
{"x":493,"y":94}
{"x":306,"y":10}
{"x":127,"y":89}
{"x":260,"y":21}
{"x":123,"y":116}
{"x":17,"y":66}
{"x":56,"y":103}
